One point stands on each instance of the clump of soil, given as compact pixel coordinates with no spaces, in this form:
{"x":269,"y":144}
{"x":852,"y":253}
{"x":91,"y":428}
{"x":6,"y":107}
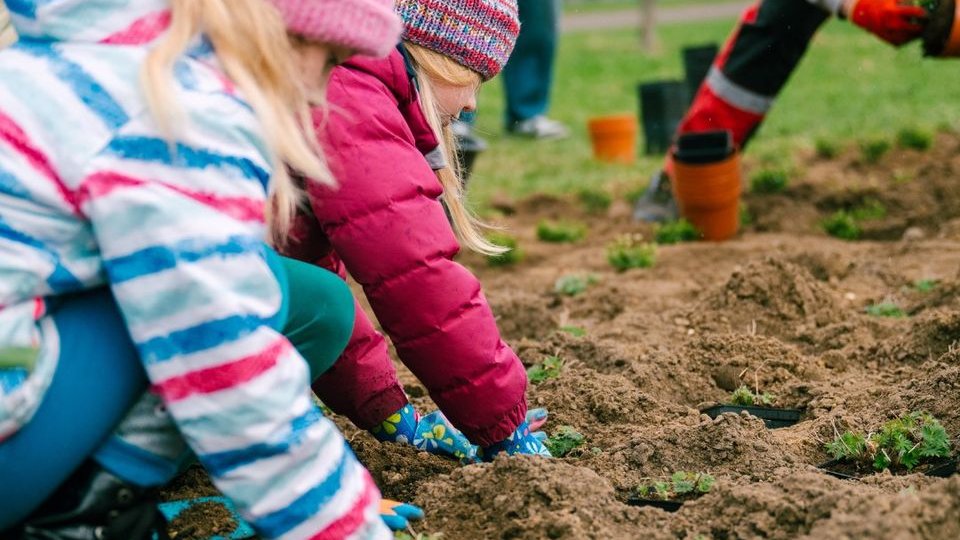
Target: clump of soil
{"x":528,"y":498}
{"x":203,"y":521}
{"x":523,"y":314}
{"x":773,"y":296}
{"x":399,"y":469}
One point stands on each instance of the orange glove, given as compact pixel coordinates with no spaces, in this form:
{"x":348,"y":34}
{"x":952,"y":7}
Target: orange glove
{"x":894,"y":21}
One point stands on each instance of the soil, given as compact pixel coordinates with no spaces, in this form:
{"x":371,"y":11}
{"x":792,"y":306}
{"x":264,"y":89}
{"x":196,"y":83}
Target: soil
{"x":202,"y":521}
{"x":784,"y":304}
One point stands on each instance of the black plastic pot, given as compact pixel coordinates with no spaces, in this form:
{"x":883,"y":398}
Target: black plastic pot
{"x":669,"y":506}
{"x":696,"y":64}
{"x":662,"y":106}
{"x":772,"y":418}
{"x":939,"y":469}
{"x":939,"y":36}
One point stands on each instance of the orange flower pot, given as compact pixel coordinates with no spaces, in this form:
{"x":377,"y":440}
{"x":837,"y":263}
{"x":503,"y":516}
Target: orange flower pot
{"x":709,"y":196}
{"x":941,"y":36}
{"x":614,"y":138}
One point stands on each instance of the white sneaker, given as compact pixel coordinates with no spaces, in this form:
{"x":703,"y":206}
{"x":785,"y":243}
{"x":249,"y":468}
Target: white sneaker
{"x":540,"y":127}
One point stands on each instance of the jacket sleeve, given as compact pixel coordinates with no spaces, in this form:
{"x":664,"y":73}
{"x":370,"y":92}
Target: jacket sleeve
{"x":385,"y":221}
{"x":180,"y":235}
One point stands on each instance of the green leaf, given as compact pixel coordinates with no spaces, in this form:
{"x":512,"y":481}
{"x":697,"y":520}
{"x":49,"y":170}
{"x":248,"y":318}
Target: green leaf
{"x":705,"y":483}
{"x":563,"y":441}
{"x":574,"y":331}
{"x":674,"y":232}
{"x":742,"y":396}
{"x":559,"y":233}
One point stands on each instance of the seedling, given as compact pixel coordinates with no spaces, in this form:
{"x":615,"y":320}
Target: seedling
{"x":869,"y":210}
{"x":674,"y":232}
{"x":574,"y":331}
{"x":748,"y":398}
{"x":594,"y":200}
{"x":874,"y":149}
{"x":886,"y":309}
{"x":826,"y":149}
{"x":915,"y":139}
{"x":550,"y":368}
{"x":560,"y":232}
{"x":630,"y":251}
{"x":507,"y":258}
{"x":572,"y":285}
{"x":925,"y":285}
{"x":842,"y":225}
{"x":902,"y":443}
{"x":563,"y":441}
{"x":769,"y":181}
{"x":681,"y":485}
{"x":746,"y":218}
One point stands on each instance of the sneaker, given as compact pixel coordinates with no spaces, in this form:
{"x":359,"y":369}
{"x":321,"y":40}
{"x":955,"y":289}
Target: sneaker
{"x":540,"y":127}
{"x":657,"y":204}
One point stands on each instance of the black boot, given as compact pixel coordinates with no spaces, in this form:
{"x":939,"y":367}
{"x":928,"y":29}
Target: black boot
{"x":96,"y":505}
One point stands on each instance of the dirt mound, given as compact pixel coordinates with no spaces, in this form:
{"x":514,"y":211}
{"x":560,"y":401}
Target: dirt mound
{"x":523,"y":315}
{"x":932,"y":335}
{"x":528,"y":498}
{"x":399,"y":470}
{"x":774,"y":296}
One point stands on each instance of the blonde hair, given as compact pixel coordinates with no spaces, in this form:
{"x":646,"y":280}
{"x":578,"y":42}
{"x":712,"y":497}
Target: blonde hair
{"x":430,"y":65}
{"x":252,"y":46}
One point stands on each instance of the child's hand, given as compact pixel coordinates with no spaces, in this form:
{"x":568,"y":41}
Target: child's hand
{"x":398,"y":515}
{"x":522,"y":441}
{"x":432,"y":433}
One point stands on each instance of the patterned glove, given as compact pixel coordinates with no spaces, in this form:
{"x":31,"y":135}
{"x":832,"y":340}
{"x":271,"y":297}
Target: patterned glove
{"x":398,"y":515}
{"x":521,"y":441}
{"x":432,"y":433}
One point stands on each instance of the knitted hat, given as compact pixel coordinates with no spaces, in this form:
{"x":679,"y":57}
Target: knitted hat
{"x":479,"y":34}
{"x":370,"y":27}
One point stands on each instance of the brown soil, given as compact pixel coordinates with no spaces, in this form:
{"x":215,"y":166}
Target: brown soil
{"x":781,"y":307}
{"x":202,"y":521}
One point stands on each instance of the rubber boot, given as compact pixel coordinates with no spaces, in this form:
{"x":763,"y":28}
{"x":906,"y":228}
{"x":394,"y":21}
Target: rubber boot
{"x":96,"y":505}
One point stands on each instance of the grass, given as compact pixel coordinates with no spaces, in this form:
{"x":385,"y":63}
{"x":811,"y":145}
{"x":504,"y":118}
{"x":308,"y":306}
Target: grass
{"x":848,"y":87}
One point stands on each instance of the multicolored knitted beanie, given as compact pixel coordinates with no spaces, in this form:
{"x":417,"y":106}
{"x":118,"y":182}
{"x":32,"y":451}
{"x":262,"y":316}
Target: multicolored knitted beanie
{"x":480,"y":34}
{"x":367,"y":26}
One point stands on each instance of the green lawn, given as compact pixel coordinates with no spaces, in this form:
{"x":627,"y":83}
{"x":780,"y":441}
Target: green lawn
{"x":594,"y":6}
{"x":850,"y":86}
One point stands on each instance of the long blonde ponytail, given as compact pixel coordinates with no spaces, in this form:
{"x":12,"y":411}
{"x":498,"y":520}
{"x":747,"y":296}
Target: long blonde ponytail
{"x":431,"y":65}
{"x":251,"y":43}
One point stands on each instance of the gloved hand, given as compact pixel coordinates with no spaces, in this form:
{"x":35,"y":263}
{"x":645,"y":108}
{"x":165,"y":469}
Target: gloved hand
{"x":432,"y":433}
{"x":522,"y":441}
{"x":398,"y":515}
{"x":894,"y":21}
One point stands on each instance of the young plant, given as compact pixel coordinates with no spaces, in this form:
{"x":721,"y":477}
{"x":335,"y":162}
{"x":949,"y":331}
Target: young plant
{"x":874,"y":149}
{"x":560,"y":232}
{"x":573,"y":284}
{"x":902,"y":443}
{"x":826,"y":148}
{"x":574,"y":331}
{"x":508,"y":258}
{"x":630,"y":251}
{"x":842,"y":225}
{"x":594,"y":200}
{"x":746,"y":218}
{"x":886,"y":309}
{"x":745,"y":397}
{"x":914,"y":139}
{"x":770,"y":181}
{"x":550,"y":368}
{"x":925,"y":285}
{"x":869,"y":210}
{"x":563,"y":441}
{"x":674,"y":232}
{"x":682,"y":484}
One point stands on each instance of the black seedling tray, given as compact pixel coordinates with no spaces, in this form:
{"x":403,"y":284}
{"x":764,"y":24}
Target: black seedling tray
{"x":939,"y":469}
{"x":669,"y":506}
{"x":772,"y":418}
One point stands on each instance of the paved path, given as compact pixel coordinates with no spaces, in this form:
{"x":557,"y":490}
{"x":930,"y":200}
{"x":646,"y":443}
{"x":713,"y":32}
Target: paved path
{"x":630,"y":18}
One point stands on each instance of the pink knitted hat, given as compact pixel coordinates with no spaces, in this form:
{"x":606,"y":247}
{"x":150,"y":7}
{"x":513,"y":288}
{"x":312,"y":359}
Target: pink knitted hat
{"x":370,"y":27}
{"x":479,"y":34}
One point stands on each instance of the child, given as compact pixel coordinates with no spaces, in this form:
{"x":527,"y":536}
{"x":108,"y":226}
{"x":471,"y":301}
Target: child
{"x":388,"y":144}
{"x":132,"y":236}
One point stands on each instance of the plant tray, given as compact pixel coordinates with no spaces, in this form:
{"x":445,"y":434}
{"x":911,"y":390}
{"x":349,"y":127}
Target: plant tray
{"x":669,"y":506}
{"x":772,"y":418}
{"x":836,"y":468}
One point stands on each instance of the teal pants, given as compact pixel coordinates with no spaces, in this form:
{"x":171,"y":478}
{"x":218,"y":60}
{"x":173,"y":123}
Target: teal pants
{"x":99,"y":379}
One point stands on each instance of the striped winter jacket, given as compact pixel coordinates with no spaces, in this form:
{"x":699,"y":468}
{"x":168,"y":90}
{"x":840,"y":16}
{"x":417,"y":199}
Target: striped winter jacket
{"x":91,"y":195}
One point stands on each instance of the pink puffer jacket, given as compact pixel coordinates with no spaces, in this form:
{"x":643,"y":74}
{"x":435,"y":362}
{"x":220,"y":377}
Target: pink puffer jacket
{"x":388,"y":228}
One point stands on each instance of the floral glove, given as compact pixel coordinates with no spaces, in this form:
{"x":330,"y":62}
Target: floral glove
{"x":432,"y":433}
{"x":522,"y":441}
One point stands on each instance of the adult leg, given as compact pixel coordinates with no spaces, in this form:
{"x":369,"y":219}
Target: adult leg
{"x":528,"y":76}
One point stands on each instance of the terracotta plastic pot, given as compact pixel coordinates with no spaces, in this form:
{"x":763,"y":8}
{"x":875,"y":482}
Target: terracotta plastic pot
{"x":941,"y":36}
{"x":709,"y":196}
{"x":614,"y":138}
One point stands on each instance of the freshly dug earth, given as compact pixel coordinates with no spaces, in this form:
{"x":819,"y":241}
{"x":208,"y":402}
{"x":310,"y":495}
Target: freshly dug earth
{"x":781,"y":308}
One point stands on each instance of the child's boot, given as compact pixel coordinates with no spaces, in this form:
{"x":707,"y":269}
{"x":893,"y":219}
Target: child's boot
{"x":96,"y":505}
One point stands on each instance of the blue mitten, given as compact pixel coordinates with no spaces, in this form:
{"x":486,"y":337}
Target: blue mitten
{"x":432,"y":433}
{"x":521,"y":441}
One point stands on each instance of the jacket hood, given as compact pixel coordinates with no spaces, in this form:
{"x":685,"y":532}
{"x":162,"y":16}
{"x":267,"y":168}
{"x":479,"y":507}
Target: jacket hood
{"x":123,"y":22}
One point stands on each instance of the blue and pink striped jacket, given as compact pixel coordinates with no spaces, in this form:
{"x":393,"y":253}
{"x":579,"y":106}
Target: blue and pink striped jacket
{"x":92,"y":195}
